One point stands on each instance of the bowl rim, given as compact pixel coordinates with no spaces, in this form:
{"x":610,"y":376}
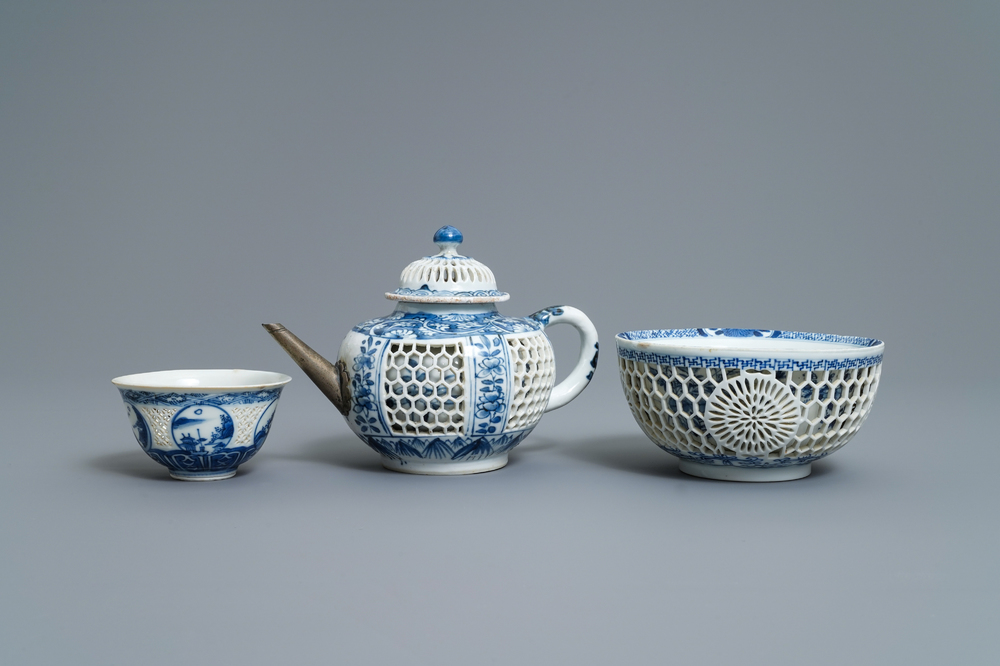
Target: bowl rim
{"x":171,"y":380}
{"x":661,"y":342}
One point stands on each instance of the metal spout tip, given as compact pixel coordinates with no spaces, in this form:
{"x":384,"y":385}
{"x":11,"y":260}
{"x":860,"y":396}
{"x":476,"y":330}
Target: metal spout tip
{"x":332,"y":379}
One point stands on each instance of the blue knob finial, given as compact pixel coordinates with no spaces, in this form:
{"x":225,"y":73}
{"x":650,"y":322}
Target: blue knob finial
{"x":448,"y":234}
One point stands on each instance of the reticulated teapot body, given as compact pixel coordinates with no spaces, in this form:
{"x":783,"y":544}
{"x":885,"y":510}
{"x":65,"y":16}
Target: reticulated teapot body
{"x":446,"y":384}
{"x":432,"y":389}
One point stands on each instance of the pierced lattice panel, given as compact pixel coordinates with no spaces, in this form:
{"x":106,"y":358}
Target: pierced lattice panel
{"x":448,"y":269}
{"x":245,"y":419}
{"x":159,"y":420}
{"x":534,"y":368}
{"x":727,"y":411}
{"x":424,"y":388}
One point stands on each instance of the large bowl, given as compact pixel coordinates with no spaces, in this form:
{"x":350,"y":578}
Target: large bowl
{"x":201,"y":424}
{"x":747,"y":404}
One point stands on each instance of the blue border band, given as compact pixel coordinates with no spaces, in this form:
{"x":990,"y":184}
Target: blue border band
{"x":748,"y":363}
{"x":655,"y":334}
{"x":179,"y":399}
{"x":743,"y":360}
{"x":481,"y":293}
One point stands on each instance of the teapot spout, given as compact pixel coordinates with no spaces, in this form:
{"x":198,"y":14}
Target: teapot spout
{"x":331,"y":378}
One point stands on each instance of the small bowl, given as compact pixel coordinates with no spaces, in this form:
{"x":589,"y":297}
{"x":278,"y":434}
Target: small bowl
{"x":201,"y":424}
{"x":746,"y":404}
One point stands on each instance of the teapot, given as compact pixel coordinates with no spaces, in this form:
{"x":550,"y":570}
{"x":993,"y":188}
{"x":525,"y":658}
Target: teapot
{"x":446,"y":384}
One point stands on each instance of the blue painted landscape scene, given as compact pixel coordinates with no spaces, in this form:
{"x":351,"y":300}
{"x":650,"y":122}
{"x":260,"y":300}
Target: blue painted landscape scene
{"x":139,"y":427}
{"x":202,"y":428}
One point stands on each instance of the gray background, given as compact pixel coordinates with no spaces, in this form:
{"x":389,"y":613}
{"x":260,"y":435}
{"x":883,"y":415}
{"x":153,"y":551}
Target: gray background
{"x":174,"y":174}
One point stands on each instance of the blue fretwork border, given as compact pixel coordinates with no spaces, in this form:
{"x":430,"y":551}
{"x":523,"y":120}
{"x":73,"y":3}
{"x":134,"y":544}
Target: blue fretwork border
{"x":748,"y":363}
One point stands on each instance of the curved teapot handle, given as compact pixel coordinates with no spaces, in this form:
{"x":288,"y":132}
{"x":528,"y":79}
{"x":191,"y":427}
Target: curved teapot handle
{"x":571,"y":386}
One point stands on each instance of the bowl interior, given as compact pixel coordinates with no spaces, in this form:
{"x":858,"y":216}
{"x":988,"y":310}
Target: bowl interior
{"x":761,"y":342}
{"x":202,"y":379}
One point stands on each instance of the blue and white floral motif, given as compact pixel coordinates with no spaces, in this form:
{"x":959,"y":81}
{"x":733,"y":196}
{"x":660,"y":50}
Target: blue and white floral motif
{"x":738,"y":461}
{"x":202,"y":428}
{"x":139,"y":427}
{"x":364,"y":388}
{"x":543,"y":316}
{"x":445,"y":448}
{"x":738,"y":333}
{"x":492,"y":370}
{"x":427,"y":326}
{"x":656,"y":334}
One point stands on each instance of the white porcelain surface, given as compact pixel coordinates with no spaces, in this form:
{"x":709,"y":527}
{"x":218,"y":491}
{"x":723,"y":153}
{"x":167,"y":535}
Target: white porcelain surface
{"x":446,"y":468}
{"x":748,"y":404}
{"x":446,"y":384}
{"x":202,"y":379}
{"x":747,"y":474}
{"x":447,"y":277}
{"x":201,"y":424}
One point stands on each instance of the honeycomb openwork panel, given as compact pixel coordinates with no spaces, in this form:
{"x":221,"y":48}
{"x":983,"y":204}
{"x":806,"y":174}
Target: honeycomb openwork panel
{"x":424,"y":388}
{"x":534,"y":367}
{"x":766,"y":414}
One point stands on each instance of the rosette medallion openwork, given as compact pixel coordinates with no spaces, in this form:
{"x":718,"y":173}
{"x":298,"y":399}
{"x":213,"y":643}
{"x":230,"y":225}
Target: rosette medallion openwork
{"x":753,"y":414}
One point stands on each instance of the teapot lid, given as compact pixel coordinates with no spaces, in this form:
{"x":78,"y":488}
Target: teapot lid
{"x":447,"y":277}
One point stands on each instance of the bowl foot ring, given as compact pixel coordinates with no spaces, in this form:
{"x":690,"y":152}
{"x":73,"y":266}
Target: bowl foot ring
{"x":746,"y":474}
{"x":203,"y":476}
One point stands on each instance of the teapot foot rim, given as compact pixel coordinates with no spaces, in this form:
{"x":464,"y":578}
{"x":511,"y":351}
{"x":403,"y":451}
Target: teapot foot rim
{"x":445,"y":468}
